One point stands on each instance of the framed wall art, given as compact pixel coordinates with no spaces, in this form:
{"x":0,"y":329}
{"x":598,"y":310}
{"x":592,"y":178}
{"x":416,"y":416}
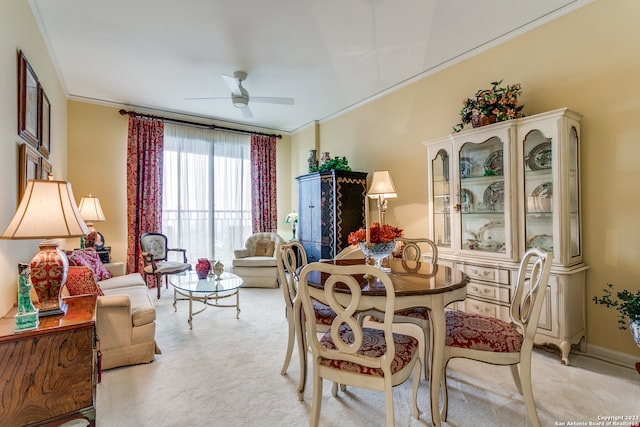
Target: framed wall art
{"x":27,"y":101}
{"x":44,"y":131}
{"x":46,"y":170}
{"x":29,"y":167}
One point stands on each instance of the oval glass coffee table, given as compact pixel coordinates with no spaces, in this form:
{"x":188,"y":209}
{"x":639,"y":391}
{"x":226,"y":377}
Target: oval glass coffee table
{"x":187,"y":287}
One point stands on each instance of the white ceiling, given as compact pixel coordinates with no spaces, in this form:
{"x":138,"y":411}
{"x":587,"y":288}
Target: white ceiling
{"x":327,"y":54}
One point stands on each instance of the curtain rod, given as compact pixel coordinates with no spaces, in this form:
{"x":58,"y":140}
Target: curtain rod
{"x":187,"y":122}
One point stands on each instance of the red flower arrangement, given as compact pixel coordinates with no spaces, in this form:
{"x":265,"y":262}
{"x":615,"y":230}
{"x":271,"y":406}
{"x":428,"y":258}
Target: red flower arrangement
{"x":377,"y":234}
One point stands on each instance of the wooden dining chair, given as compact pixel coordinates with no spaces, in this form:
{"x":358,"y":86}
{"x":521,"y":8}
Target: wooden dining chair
{"x":490,"y":340}
{"x":412,"y":250}
{"x":349,"y":353}
{"x":291,"y":257}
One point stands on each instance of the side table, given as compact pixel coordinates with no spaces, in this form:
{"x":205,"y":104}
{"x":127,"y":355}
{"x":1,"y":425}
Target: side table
{"x":49,"y":374}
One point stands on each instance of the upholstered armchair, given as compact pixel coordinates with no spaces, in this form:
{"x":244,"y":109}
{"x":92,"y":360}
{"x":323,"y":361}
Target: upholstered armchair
{"x":155,"y":254}
{"x":256,"y":263}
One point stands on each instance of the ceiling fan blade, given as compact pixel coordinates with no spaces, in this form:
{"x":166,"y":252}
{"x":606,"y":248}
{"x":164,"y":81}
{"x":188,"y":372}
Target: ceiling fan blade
{"x":272,"y":100}
{"x":208,"y":97}
{"x":246,"y":112}
{"x":232,"y":83}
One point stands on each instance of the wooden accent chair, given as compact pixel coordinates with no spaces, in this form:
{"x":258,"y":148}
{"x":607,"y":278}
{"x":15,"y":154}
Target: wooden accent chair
{"x":494,"y":341}
{"x":348,"y":353}
{"x":291,"y":258}
{"x":155,"y":254}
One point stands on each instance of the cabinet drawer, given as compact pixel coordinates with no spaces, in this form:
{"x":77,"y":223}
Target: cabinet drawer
{"x":472,"y":305}
{"x":490,"y":274}
{"x":487,"y":291}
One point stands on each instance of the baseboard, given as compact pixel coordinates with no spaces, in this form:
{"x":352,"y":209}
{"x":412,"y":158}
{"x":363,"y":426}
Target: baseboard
{"x":612,"y":356}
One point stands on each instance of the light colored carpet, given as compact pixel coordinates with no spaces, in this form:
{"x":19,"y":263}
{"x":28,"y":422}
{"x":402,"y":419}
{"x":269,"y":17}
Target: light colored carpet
{"x":226,"y":372}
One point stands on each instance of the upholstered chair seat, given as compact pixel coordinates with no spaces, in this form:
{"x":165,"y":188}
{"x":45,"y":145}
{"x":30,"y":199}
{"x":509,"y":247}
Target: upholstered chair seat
{"x":477,"y":332}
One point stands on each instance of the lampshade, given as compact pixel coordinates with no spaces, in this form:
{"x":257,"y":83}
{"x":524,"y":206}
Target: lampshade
{"x":90,"y":209}
{"x":382,"y":185}
{"x":291,"y":218}
{"x":47,"y":210}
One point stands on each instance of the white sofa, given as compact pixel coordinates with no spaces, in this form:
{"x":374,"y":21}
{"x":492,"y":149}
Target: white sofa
{"x":125,"y":319}
{"x":256,"y":263}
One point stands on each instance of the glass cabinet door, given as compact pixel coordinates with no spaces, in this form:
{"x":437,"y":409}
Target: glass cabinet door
{"x":538,"y":190}
{"x":574,"y":194}
{"x":441,"y":202}
{"x":482,"y":196}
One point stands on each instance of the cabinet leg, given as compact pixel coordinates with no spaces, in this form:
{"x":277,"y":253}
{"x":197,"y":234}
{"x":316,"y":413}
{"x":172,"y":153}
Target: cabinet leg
{"x":565,"y":348}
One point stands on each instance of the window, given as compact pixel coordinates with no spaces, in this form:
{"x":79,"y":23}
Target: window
{"x":206,"y":205}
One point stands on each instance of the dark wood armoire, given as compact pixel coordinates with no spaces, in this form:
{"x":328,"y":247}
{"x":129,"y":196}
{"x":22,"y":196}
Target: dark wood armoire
{"x":330,"y":206}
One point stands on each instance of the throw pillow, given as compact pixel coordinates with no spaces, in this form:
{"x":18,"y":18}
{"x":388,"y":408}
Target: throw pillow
{"x":265,"y":248}
{"x":90,"y":257}
{"x":80,"y":281}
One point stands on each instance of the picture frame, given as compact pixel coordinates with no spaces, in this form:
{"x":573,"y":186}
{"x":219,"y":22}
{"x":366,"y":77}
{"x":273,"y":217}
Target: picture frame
{"x":44,"y":123}
{"x":46,"y":170}
{"x":29,"y":167}
{"x":27,"y":101}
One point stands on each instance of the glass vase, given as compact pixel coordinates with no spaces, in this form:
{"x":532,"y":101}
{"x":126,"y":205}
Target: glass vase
{"x":377,"y":251}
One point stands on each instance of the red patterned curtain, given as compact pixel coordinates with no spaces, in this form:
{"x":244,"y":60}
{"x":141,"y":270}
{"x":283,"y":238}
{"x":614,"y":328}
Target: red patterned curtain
{"x":144,"y":184}
{"x":264,"y":210}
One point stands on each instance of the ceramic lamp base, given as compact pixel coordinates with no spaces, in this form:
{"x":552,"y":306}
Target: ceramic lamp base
{"x":48,"y":274}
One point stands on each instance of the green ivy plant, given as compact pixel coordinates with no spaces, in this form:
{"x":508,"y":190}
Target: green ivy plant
{"x":627,"y":304}
{"x":337,"y":163}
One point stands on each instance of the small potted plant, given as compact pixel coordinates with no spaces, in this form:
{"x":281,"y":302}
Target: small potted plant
{"x":628,"y":306}
{"x":337,"y":163}
{"x":491,"y":105}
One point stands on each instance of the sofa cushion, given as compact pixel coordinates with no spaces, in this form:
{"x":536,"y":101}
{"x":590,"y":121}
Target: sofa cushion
{"x":265,"y":248}
{"x":142,"y":309}
{"x":89,"y":257}
{"x":255,"y":261}
{"x":80,"y":281}
{"x":128,"y":280}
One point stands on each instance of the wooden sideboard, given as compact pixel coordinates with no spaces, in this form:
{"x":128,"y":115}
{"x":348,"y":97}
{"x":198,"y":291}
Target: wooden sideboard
{"x":48,"y":375}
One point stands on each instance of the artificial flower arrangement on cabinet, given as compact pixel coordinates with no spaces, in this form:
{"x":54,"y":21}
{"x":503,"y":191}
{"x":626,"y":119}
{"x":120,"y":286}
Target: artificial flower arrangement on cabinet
{"x":377,"y":242}
{"x":491,"y":105}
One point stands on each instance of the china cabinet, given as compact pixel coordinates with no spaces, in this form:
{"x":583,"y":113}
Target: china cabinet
{"x":496,"y":191}
{"x":330,"y":206}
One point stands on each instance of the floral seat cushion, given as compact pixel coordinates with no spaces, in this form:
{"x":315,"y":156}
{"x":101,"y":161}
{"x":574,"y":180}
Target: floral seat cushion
{"x":477,"y":332}
{"x":373,"y":345}
{"x":324,"y":313}
{"x":417,"y":313}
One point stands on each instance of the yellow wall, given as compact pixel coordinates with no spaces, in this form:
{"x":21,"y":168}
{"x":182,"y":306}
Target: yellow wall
{"x":98,"y":153}
{"x":18,"y":31}
{"x":588,"y":61}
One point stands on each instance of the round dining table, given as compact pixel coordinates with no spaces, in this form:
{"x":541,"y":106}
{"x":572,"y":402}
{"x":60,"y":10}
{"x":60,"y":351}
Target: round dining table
{"x":416,"y":284}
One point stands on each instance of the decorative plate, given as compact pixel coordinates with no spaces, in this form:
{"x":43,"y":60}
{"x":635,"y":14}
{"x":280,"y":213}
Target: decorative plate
{"x":493,"y":163}
{"x":491,"y":236}
{"x":541,"y":197}
{"x":466,"y":197}
{"x":539,"y":157}
{"x":494,"y":194}
{"x":542,"y":241}
{"x":465,"y":167}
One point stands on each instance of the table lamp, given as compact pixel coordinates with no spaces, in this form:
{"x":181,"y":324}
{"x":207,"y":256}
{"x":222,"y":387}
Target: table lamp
{"x":91,"y":211}
{"x":292,"y":218}
{"x":381,"y":188}
{"x":47,"y":210}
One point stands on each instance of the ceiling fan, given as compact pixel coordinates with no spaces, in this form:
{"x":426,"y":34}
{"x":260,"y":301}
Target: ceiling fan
{"x":240,"y":96}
